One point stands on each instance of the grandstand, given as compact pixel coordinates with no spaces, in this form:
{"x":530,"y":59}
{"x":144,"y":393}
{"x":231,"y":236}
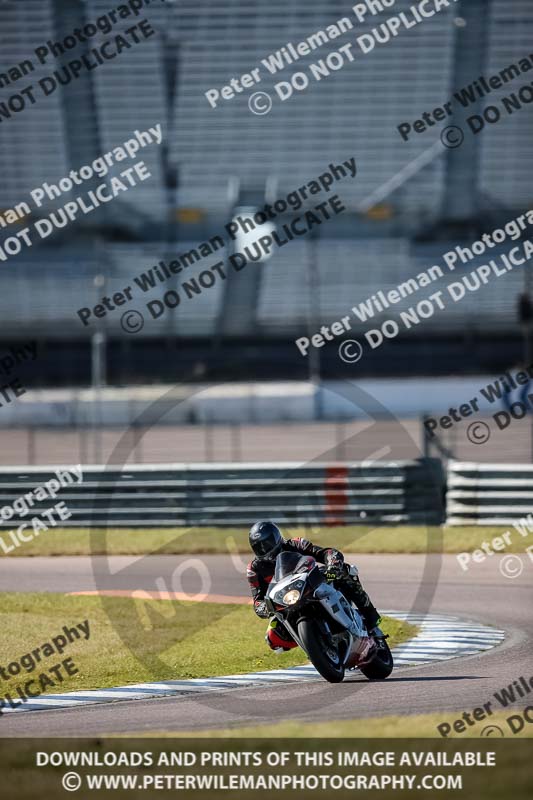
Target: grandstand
{"x":410,"y":203}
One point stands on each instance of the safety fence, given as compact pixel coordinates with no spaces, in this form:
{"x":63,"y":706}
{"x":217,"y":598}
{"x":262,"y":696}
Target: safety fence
{"x":236,"y":494}
{"x":488,"y":494}
{"x":417,"y":491}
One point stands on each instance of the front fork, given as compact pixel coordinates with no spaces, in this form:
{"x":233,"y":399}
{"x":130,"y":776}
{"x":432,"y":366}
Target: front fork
{"x":348,"y":645}
{"x":291,"y":628}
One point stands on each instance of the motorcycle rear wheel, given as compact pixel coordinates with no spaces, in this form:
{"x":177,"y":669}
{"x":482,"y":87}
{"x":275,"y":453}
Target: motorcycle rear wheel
{"x":320,"y":650}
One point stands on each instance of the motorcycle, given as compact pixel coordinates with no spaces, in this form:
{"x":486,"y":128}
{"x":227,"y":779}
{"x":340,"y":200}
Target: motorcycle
{"x":327,"y":627}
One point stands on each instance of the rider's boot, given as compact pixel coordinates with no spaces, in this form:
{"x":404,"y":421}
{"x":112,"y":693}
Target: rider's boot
{"x":278,"y":638}
{"x":353,"y":590}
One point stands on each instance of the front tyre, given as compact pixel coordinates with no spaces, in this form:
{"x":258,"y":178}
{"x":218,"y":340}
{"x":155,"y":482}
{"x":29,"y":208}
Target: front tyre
{"x":381,"y":665}
{"x":324,"y":656}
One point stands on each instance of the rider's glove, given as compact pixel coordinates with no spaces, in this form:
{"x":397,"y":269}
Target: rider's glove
{"x":333,"y":573}
{"x":261,"y":610}
{"x":334,"y":566}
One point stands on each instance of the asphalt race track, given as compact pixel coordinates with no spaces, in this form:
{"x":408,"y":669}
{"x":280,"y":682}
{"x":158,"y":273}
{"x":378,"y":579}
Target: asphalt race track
{"x":401,"y":582}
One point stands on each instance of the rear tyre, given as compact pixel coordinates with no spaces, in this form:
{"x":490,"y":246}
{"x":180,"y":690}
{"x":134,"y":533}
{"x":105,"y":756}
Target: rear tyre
{"x":324,"y":657}
{"x":381,"y":665}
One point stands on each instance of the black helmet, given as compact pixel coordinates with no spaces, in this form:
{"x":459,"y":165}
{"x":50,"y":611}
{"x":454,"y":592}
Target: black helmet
{"x":266,"y":540}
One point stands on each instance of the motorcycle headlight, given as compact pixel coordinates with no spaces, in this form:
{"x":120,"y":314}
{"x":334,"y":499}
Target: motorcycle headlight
{"x":291,"y":597}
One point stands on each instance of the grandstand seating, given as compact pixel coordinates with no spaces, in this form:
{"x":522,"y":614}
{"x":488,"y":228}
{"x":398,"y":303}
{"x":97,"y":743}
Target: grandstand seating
{"x":48,"y":299}
{"x":350,"y":272}
{"x":506,"y":153}
{"x":216,"y":151}
{"x":32,"y":146}
{"x":129,"y":94}
{"x":342,"y":116}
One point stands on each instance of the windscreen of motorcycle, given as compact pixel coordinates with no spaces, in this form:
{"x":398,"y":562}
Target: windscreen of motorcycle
{"x":287,"y":563}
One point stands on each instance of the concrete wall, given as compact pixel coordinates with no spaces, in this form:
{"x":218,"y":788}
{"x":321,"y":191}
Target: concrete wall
{"x":244,"y":403}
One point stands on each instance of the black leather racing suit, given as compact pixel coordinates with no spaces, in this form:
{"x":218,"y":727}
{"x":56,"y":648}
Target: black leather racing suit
{"x":260,"y":573}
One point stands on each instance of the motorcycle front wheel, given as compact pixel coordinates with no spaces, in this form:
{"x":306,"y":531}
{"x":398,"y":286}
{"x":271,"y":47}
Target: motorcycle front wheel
{"x":322,"y":653}
{"x":381,"y":665}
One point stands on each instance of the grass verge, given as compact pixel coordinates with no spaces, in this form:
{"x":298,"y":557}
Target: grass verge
{"x":165,"y":640}
{"x":423,"y":726}
{"x":351,"y":539}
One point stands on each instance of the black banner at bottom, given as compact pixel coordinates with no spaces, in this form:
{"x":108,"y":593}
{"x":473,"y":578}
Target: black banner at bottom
{"x":238,"y":768}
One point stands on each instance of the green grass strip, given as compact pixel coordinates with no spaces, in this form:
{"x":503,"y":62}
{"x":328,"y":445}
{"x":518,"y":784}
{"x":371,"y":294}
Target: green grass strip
{"x":134,"y":641}
{"x":351,"y":539}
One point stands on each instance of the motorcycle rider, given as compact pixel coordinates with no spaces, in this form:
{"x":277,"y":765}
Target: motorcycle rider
{"x":266,"y":541}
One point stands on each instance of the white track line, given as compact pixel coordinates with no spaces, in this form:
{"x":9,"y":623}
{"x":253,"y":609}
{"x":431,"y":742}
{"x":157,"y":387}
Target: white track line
{"x":440,"y":638}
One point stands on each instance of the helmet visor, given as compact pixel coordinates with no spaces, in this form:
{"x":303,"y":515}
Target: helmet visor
{"x":268,"y":547}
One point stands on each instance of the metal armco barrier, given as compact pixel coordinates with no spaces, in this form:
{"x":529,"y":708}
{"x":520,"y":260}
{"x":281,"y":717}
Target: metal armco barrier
{"x":238,"y":494}
{"x":488,"y":494}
